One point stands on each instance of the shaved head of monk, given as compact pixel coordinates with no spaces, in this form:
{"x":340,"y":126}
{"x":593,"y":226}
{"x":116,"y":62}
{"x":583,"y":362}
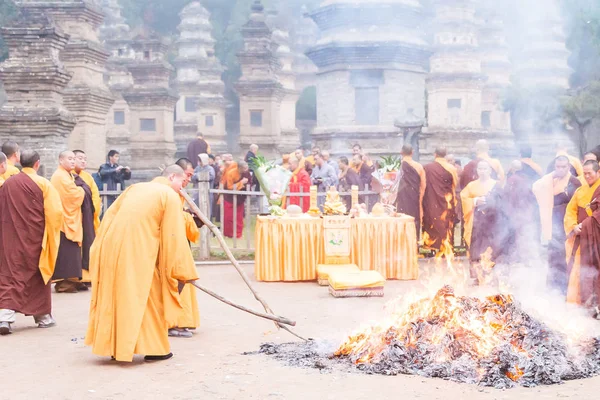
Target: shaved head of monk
{"x":188,"y":168}
{"x":441,"y":152}
{"x":591,"y":172}
{"x":66,"y":159}
{"x":407,"y":150}
{"x":80,"y":160}
{"x":11,"y":151}
{"x":176,"y":176}
{"x":30,"y":159}
{"x":2,"y":163}
{"x":484,"y":170}
{"x":561,"y":166}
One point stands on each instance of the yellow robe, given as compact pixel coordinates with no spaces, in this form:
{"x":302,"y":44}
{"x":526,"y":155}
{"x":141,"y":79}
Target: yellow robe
{"x":53,"y":219}
{"x":10,"y":170}
{"x":496,"y":166}
{"x":136,"y":261}
{"x":71,"y":197}
{"x":581,"y":199}
{"x":467,"y":196}
{"x":190,"y":316}
{"x":96,"y":200}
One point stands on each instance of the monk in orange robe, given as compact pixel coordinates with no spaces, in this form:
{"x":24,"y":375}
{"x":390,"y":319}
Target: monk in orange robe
{"x":529,"y":168}
{"x":439,"y":202}
{"x":235,"y":179}
{"x":299,"y":183}
{"x":575,"y":163}
{"x":12,"y":153}
{"x":411,"y":187}
{"x":189,"y":318}
{"x":90,"y":212}
{"x":3,"y":166}
{"x":68,"y":271}
{"x":28,"y":253}
{"x":553,"y":193}
{"x":469,"y":173}
{"x":581,"y":277}
{"x":139,"y":263}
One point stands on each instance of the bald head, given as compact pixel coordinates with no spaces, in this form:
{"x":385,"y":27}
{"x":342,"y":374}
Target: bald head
{"x":11,"y":151}
{"x":254,"y":148}
{"x":2,"y":163}
{"x":66,"y":159}
{"x":482,"y":146}
{"x":441,"y":152}
{"x":407,"y":150}
{"x":176,"y":176}
{"x":30,"y":159}
{"x":188,"y":168}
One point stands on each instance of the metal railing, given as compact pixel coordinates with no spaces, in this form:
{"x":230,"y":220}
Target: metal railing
{"x":254,"y":204}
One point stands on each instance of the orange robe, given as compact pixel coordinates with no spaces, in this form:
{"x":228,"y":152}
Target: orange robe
{"x":140,"y":253}
{"x":71,"y":197}
{"x":10,"y":171}
{"x":468,"y":195}
{"x":577,"y":211}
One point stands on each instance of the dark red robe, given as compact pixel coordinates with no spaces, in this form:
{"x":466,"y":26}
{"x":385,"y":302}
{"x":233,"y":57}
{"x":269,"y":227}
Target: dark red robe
{"x":87,"y":215}
{"x":439,"y":205}
{"x":589,"y":242}
{"x":351,"y":178}
{"x":22,"y":224}
{"x":408,"y":200}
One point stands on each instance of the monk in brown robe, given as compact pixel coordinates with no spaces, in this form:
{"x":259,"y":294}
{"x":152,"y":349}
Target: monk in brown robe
{"x":12,"y":153}
{"x":411,"y":187}
{"x":90,"y":213}
{"x":575,"y":164}
{"x":28,"y":252}
{"x":469,"y":173}
{"x":139,"y":264}
{"x":553,"y":192}
{"x":529,"y":168}
{"x":590,"y":259}
{"x":196,"y":147}
{"x":578,"y":211}
{"x":68,"y":271}
{"x":348,"y":178}
{"x":439,"y":202}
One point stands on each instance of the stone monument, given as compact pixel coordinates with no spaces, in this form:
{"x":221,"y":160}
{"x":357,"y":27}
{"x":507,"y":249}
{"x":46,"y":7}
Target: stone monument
{"x":372,"y":59}
{"x":34,"y":79}
{"x":201,"y":105}
{"x":86,"y":95}
{"x":152,"y":104}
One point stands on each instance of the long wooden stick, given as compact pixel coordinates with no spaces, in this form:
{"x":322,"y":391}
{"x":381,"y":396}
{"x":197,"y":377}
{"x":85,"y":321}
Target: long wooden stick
{"x":275,"y":318}
{"x":229,"y":254}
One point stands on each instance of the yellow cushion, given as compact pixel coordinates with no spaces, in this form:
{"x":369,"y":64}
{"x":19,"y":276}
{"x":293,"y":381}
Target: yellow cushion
{"x":361,"y":279}
{"x":323,"y":270}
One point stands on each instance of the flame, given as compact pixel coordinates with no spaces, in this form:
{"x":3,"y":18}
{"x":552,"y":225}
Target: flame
{"x":451,"y":326}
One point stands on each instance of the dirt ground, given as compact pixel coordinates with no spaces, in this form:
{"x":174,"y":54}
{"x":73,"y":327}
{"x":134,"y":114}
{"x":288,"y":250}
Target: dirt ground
{"x":54,"y":363}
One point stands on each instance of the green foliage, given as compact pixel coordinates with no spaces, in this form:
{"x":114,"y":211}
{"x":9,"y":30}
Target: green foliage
{"x":306,"y":107}
{"x":390,"y":163}
{"x":7,"y":11}
{"x":580,"y":108}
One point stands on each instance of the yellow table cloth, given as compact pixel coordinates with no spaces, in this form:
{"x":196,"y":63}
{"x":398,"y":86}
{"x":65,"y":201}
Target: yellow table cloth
{"x":289,"y":249}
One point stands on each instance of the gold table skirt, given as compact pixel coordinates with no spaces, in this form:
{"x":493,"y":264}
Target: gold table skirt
{"x":289,"y":249}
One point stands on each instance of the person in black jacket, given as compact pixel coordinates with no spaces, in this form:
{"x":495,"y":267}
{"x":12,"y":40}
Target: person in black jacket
{"x":113,"y":174}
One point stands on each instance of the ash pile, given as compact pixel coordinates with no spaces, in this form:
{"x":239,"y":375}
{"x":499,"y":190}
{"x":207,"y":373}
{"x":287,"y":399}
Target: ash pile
{"x":489,"y":342}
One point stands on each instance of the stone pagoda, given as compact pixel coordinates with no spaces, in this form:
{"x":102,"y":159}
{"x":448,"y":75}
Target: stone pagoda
{"x":259,"y":88}
{"x":287,"y":77}
{"x":116,"y":37}
{"x":372,"y":59}
{"x":86,"y":95}
{"x":455,"y":86}
{"x":201,"y":105}
{"x":151,"y":104}
{"x":304,"y":36}
{"x":34,"y":79}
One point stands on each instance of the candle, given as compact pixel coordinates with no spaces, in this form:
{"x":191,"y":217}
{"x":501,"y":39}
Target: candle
{"x":354,"y":190}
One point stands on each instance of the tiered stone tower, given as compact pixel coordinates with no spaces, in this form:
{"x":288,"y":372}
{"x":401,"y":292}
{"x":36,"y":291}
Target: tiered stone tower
{"x":86,"y":95}
{"x":259,"y":89}
{"x":34,"y":79}
{"x":372,"y":59}
{"x":151,"y":104}
{"x":116,"y":37}
{"x":290,"y":136}
{"x":304,"y":36}
{"x":201,"y":105}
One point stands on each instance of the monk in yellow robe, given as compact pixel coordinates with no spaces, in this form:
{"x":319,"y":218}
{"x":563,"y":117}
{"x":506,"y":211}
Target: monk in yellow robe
{"x":12,"y":153}
{"x":68,"y":271}
{"x":575,"y":163}
{"x":138,"y":264}
{"x":3,"y":166}
{"x":90,"y":212}
{"x":28,"y":254}
{"x":578,"y":210}
{"x":189,"y":318}
{"x":469,"y":173}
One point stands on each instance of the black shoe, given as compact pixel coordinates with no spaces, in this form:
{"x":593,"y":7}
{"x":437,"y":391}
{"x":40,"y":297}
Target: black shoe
{"x":158,"y":358}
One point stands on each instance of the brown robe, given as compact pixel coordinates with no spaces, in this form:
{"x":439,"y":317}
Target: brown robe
{"x":87,"y":214}
{"x":439,"y":205}
{"x":196,"y":146}
{"x":351,"y":178}
{"x":408,"y":200}
{"x":589,"y":242}
{"x":22,"y":225}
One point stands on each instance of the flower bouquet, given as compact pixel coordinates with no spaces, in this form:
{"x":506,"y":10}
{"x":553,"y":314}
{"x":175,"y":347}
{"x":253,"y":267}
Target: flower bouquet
{"x":385,"y":181}
{"x":274,"y":181}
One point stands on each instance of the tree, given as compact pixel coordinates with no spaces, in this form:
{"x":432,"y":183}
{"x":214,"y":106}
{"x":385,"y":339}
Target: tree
{"x":580,"y":108}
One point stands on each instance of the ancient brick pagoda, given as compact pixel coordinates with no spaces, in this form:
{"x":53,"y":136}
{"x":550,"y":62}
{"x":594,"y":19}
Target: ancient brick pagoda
{"x":372,"y":59}
{"x":259,"y":88}
{"x":151,"y":104}
{"x":86,"y":95}
{"x":201,"y":105}
{"x":34,"y":79}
